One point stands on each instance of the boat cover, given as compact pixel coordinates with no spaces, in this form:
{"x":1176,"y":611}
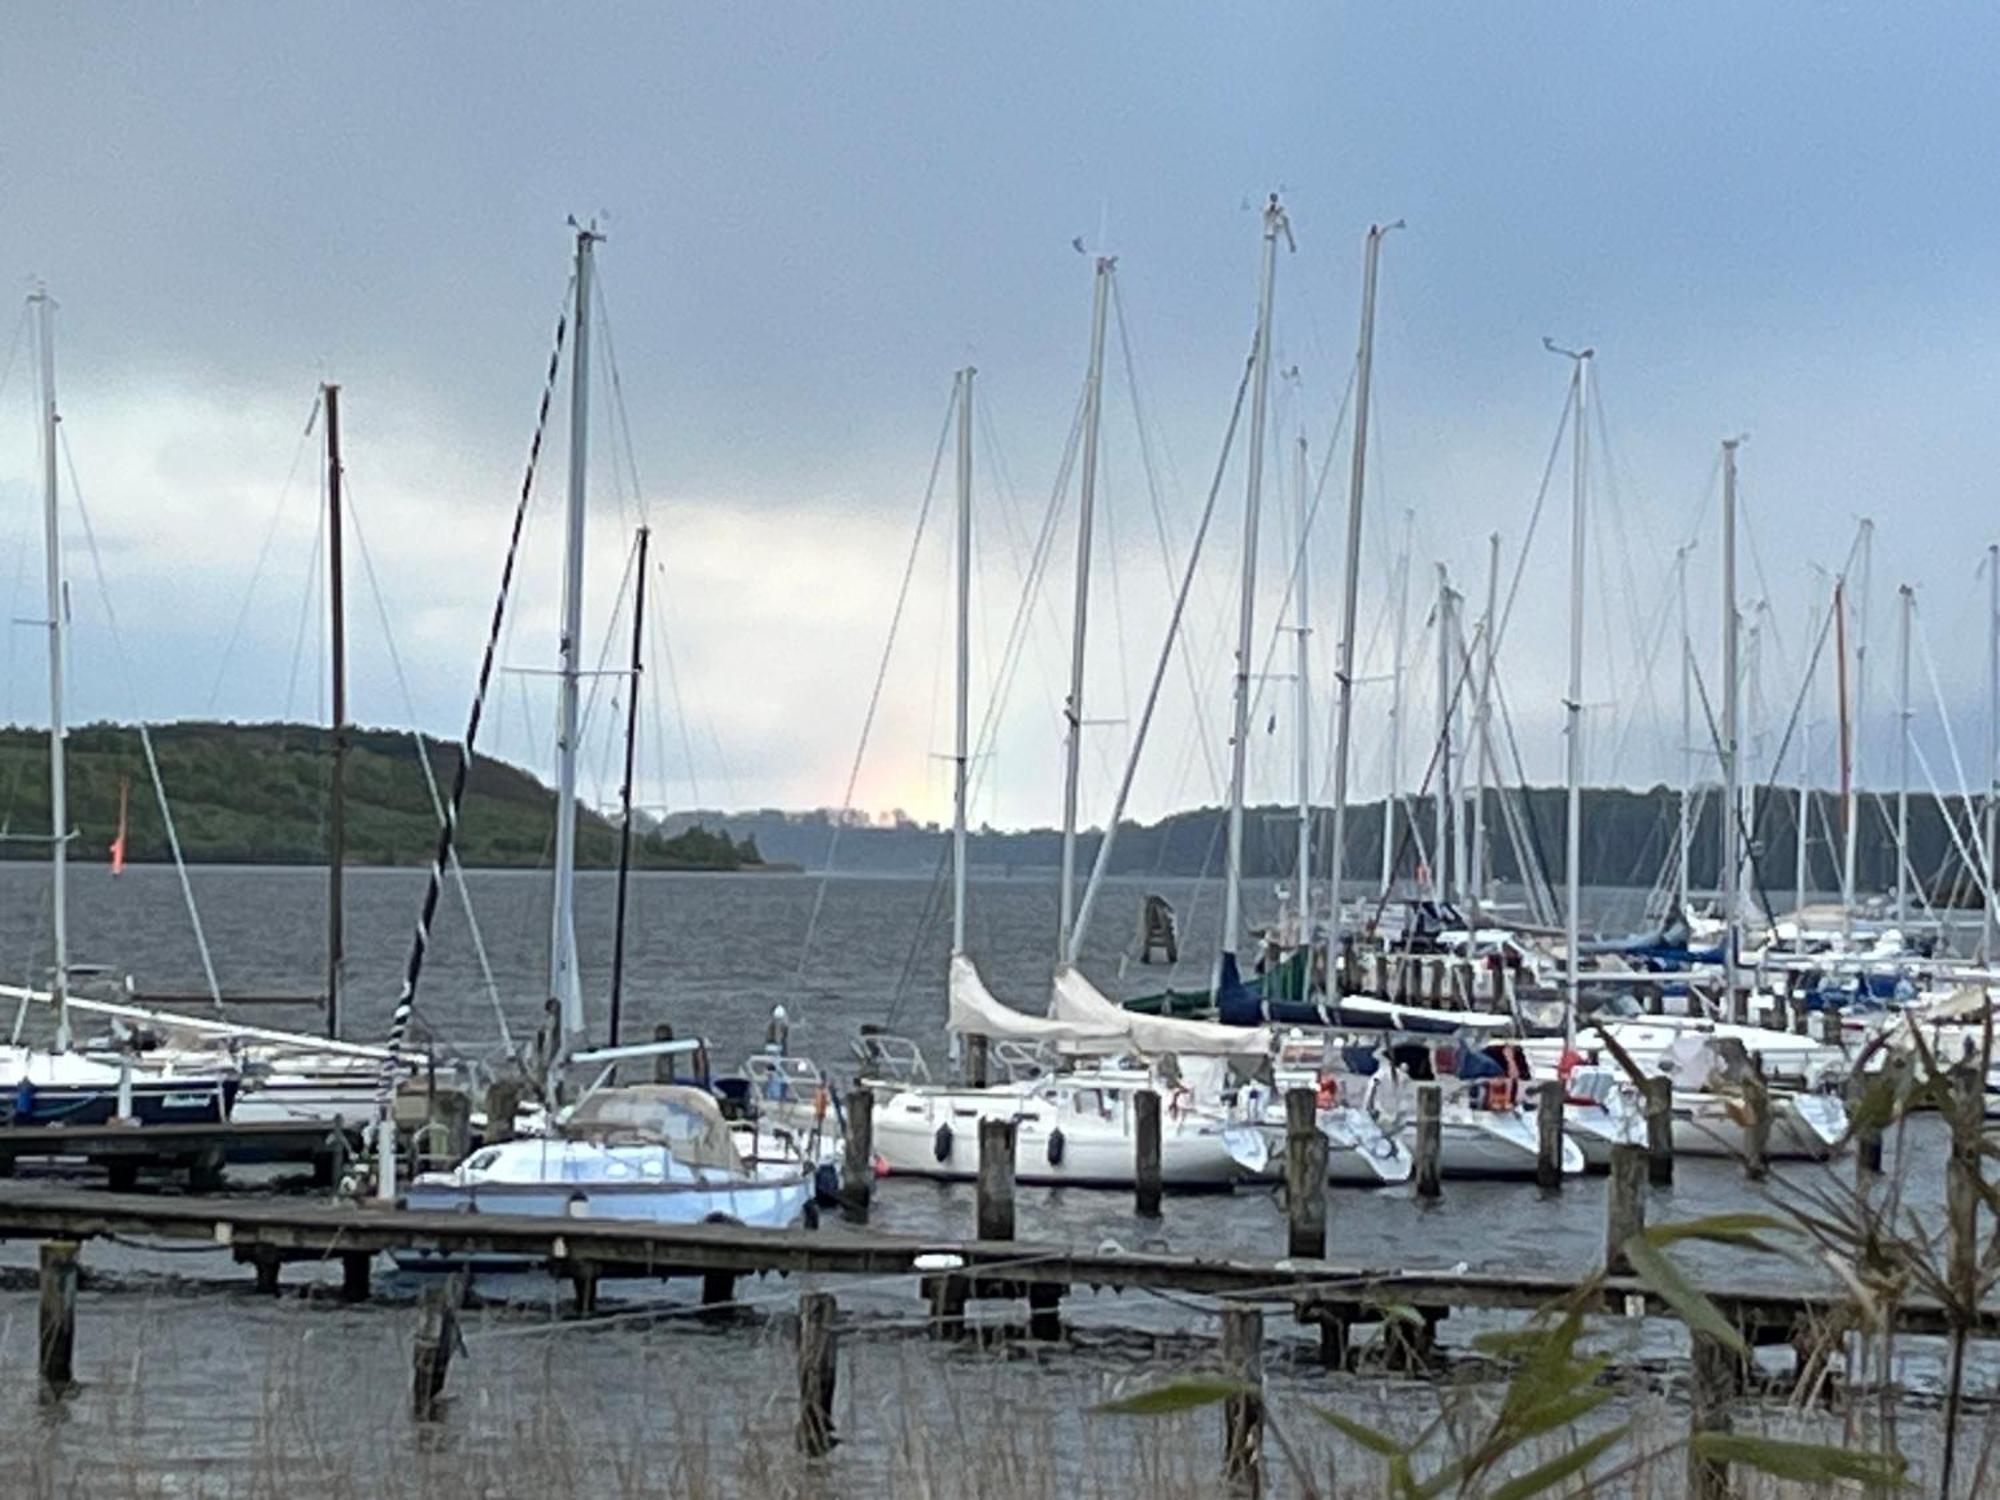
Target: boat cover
{"x":1079,"y":1002}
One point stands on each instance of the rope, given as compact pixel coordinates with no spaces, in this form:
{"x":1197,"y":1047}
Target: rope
{"x":424,"y":761}
{"x":399,"y":1020}
{"x":145,"y":734}
{"x":263,"y":555}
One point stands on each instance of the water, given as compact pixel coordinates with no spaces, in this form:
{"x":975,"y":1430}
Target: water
{"x":217,"y":1391}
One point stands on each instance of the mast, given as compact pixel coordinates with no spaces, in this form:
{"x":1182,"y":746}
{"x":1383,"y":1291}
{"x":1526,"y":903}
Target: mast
{"x":1093,"y":397}
{"x":336,"y":818}
{"x":1731,"y":853}
{"x":1990,"y":927}
{"x":1441,"y":803}
{"x":1846,"y":743}
{"x":961,"y":744}
{"x":1246,"y":625}
{"x":625,"y":790}
{"x":1907,"y":603}
{"x":1302,"y":695}
{"x":45,"y":313}
{"x":1395,"y":791}
{"x":1573,"y":701}
{"x":1801,"y":849}
{"x":565,"y":985}
{"x":1687,"y":731}
{"x":1482,"y":714}
{"x":1364,"y":374}
{"x":1849,"y":890}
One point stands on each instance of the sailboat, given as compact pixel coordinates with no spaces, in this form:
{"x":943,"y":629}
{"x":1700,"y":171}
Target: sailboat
{"x":58,"y":1084}
{"x":661,"y":1152}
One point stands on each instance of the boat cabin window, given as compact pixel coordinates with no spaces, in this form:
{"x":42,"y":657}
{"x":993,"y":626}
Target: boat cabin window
{"x":483,"y":1159}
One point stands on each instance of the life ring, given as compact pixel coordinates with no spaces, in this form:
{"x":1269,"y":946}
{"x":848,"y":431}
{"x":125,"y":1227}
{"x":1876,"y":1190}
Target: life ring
{"x":1056,"y":1145}
{"x":941,"y":1143}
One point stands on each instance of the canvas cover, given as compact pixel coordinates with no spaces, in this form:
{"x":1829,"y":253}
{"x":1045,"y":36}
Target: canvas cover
{"x":1077,"y":1001}
{"x":975,"y":1011}
{"x":687,"y":1121}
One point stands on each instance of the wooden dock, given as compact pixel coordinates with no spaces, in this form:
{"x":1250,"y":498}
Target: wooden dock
{"x":268,"y":1234}
{"x":201,"y":1151}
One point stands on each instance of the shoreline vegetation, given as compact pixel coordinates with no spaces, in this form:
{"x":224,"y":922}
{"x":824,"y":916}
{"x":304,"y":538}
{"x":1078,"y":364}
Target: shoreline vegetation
{"x":256,"y":794}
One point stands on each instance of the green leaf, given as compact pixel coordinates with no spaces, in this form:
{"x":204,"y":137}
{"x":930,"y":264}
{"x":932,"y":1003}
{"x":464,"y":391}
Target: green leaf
{"x":1808,"y":1463}
{"x":1739,"y":1229}
{"x":1556,"y":1470}
{"x":1687,"y":1300}
{"x":1559,"y":1412}
{"x":1184,"y":1394}
{"x":1397,"y":1312}
{"x":1372,"y":1438}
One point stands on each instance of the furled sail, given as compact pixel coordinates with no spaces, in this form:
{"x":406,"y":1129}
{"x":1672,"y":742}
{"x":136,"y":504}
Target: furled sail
{"x":1080,"y":1003}
{"x":976,"y":1012}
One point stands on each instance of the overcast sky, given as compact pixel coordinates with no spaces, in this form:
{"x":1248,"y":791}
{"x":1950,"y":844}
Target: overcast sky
{"x":1775,"y":219}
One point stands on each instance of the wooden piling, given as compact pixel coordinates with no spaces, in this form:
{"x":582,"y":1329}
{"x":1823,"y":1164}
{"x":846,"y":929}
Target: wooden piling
{"x":996,"y":1179}
{"x":975,"y":1061}
{"x":718,"y":1296}
{"x":1829,"y":1028}
{"x":1757,"y":1131}
{"x":1624,"y":1205}
{"x":503,"y":1103}
{"x":1243,"y":1414}
{"x":663,"y":1064}
{"x":267,"y":1265}
{"x":437,"y":1340}
{"x":1801,"y":1017}
{"x":1549,"y":1135}
{"x":1659,"y":1094}
{"x":857,"y":1161}
{"x":1045,"y":1311}
{"x":818,"y":1367}
{"x":1430,"y":1138}
{"x":1305,"y":1176}
{"x":1867,"y":1156}
{"x":58,"y":1315}
{"x":1712,"y":1384}
{"x":947,"y":1305}
{"x":355,"y":1269}
{"x":1146,"y":1153}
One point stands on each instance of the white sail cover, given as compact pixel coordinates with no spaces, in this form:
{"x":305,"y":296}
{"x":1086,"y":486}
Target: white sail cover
{"x":1077,"y":1001}
{"x":976,"y":1012}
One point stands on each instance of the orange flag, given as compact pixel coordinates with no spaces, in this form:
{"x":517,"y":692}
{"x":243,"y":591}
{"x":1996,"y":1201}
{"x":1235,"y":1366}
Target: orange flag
{"x":118,"y":843}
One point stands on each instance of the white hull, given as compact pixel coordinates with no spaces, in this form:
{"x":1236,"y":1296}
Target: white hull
{"x":1490,"y":1143}
{"x":935,"y":1133}
{"x":1804,"y":1127}
{"x":1359,"y":1153}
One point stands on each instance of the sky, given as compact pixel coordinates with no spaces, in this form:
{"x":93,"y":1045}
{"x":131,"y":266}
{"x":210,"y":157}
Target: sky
{"x":1775,"y":220}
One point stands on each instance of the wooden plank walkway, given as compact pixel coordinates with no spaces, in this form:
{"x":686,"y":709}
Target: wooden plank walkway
{"x":202,"y":1151}
{"x":269,"y":1233}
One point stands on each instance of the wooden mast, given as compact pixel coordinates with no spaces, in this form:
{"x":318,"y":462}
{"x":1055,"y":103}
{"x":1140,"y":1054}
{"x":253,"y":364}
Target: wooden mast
{"x":625,"y":791}
{"x":336,"y":835}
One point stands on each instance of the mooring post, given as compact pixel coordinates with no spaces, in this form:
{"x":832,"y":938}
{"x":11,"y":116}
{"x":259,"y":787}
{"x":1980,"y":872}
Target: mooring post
{"x":1712,"y":1384}
{"x":975,"y":1061}
{"x":1624,"y":1205}
{"x":1146,"y":1153}
{"x":947,"y":1297}
{"x":1829,"y":1028}
{"x":1045,"y":1311}
{"x":583,"y":1288}
{"x":1867,"y":1156}
{"x":355,"y":1269}
{"x":503,"y":1103}
{"x":437,"y":1341}
{"x":58,"y":1351}
{"x":1305,"y":1176}
{"x":819,"y":1346}
{"x":205,"y":1171}
{"x":857,"y":1155}
{"x":663,"y":1062}
{"x":1549,"y":1135}
{"x":1757,"y":1131}
{"x":1430,"y":1138}
{"x":1243,"y":1413}
{"x":718,"y":1296}
{"x":267,"y":1265}
{"x":1659,"y":1096}
{"x":996,"y":1179}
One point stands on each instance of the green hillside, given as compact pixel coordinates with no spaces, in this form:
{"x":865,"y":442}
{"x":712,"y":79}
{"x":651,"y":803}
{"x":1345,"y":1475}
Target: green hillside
{"x":257,"y":794}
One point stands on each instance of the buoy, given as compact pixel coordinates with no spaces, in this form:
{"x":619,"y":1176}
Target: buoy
{"x":1056,"y":1144}
{"x":941,"y":1144}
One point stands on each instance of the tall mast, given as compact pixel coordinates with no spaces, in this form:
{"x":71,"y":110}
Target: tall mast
{"x":611,"y":1025}
{"x":1441,"y":803}
{"x":1364,"y":375}
{"x":1849,"y":890}
{"x":336,"y":820}
{"x":1302,"y":697}
{"x":1573,"y":701}
{"x":1093,"y":396}
{"x":961,"y":744}
{"x":1731,"y":853}
{"x":1801,"y":845}
{"x":1482,"y":715}
{"x":1246,"y":625}
{"x":1686,"y":829}
{"x":1845,"y":740}
{"x":565,"y":985}
{"x":1990,"y":928}
{"x":1395,"y":790}
{"x":1907,"y":603}
{"x":45,"y":311}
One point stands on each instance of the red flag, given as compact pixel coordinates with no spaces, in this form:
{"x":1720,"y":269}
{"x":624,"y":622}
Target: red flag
{"x":118,"y":843}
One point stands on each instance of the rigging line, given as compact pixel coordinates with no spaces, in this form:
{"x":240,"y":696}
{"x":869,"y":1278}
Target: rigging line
{"x":881,"y":677}
{"x":1150,"y":469}
{"x":1535,"y":515}
{"x":309,"y":597}
{"x":1744,"y":832}
{"x":1626,"y":517}
{"x":405,"y":1007}
{"x":353,"y":514}
{"x":1980,"y":870}
{"x":145,"y":734}
{"x":656,"y":632}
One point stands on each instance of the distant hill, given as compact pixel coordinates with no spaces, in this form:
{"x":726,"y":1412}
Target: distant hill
{"x":257,"y":794}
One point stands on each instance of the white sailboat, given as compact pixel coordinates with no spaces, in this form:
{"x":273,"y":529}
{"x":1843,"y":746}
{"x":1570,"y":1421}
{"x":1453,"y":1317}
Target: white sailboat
{"x":662,"y":1153}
